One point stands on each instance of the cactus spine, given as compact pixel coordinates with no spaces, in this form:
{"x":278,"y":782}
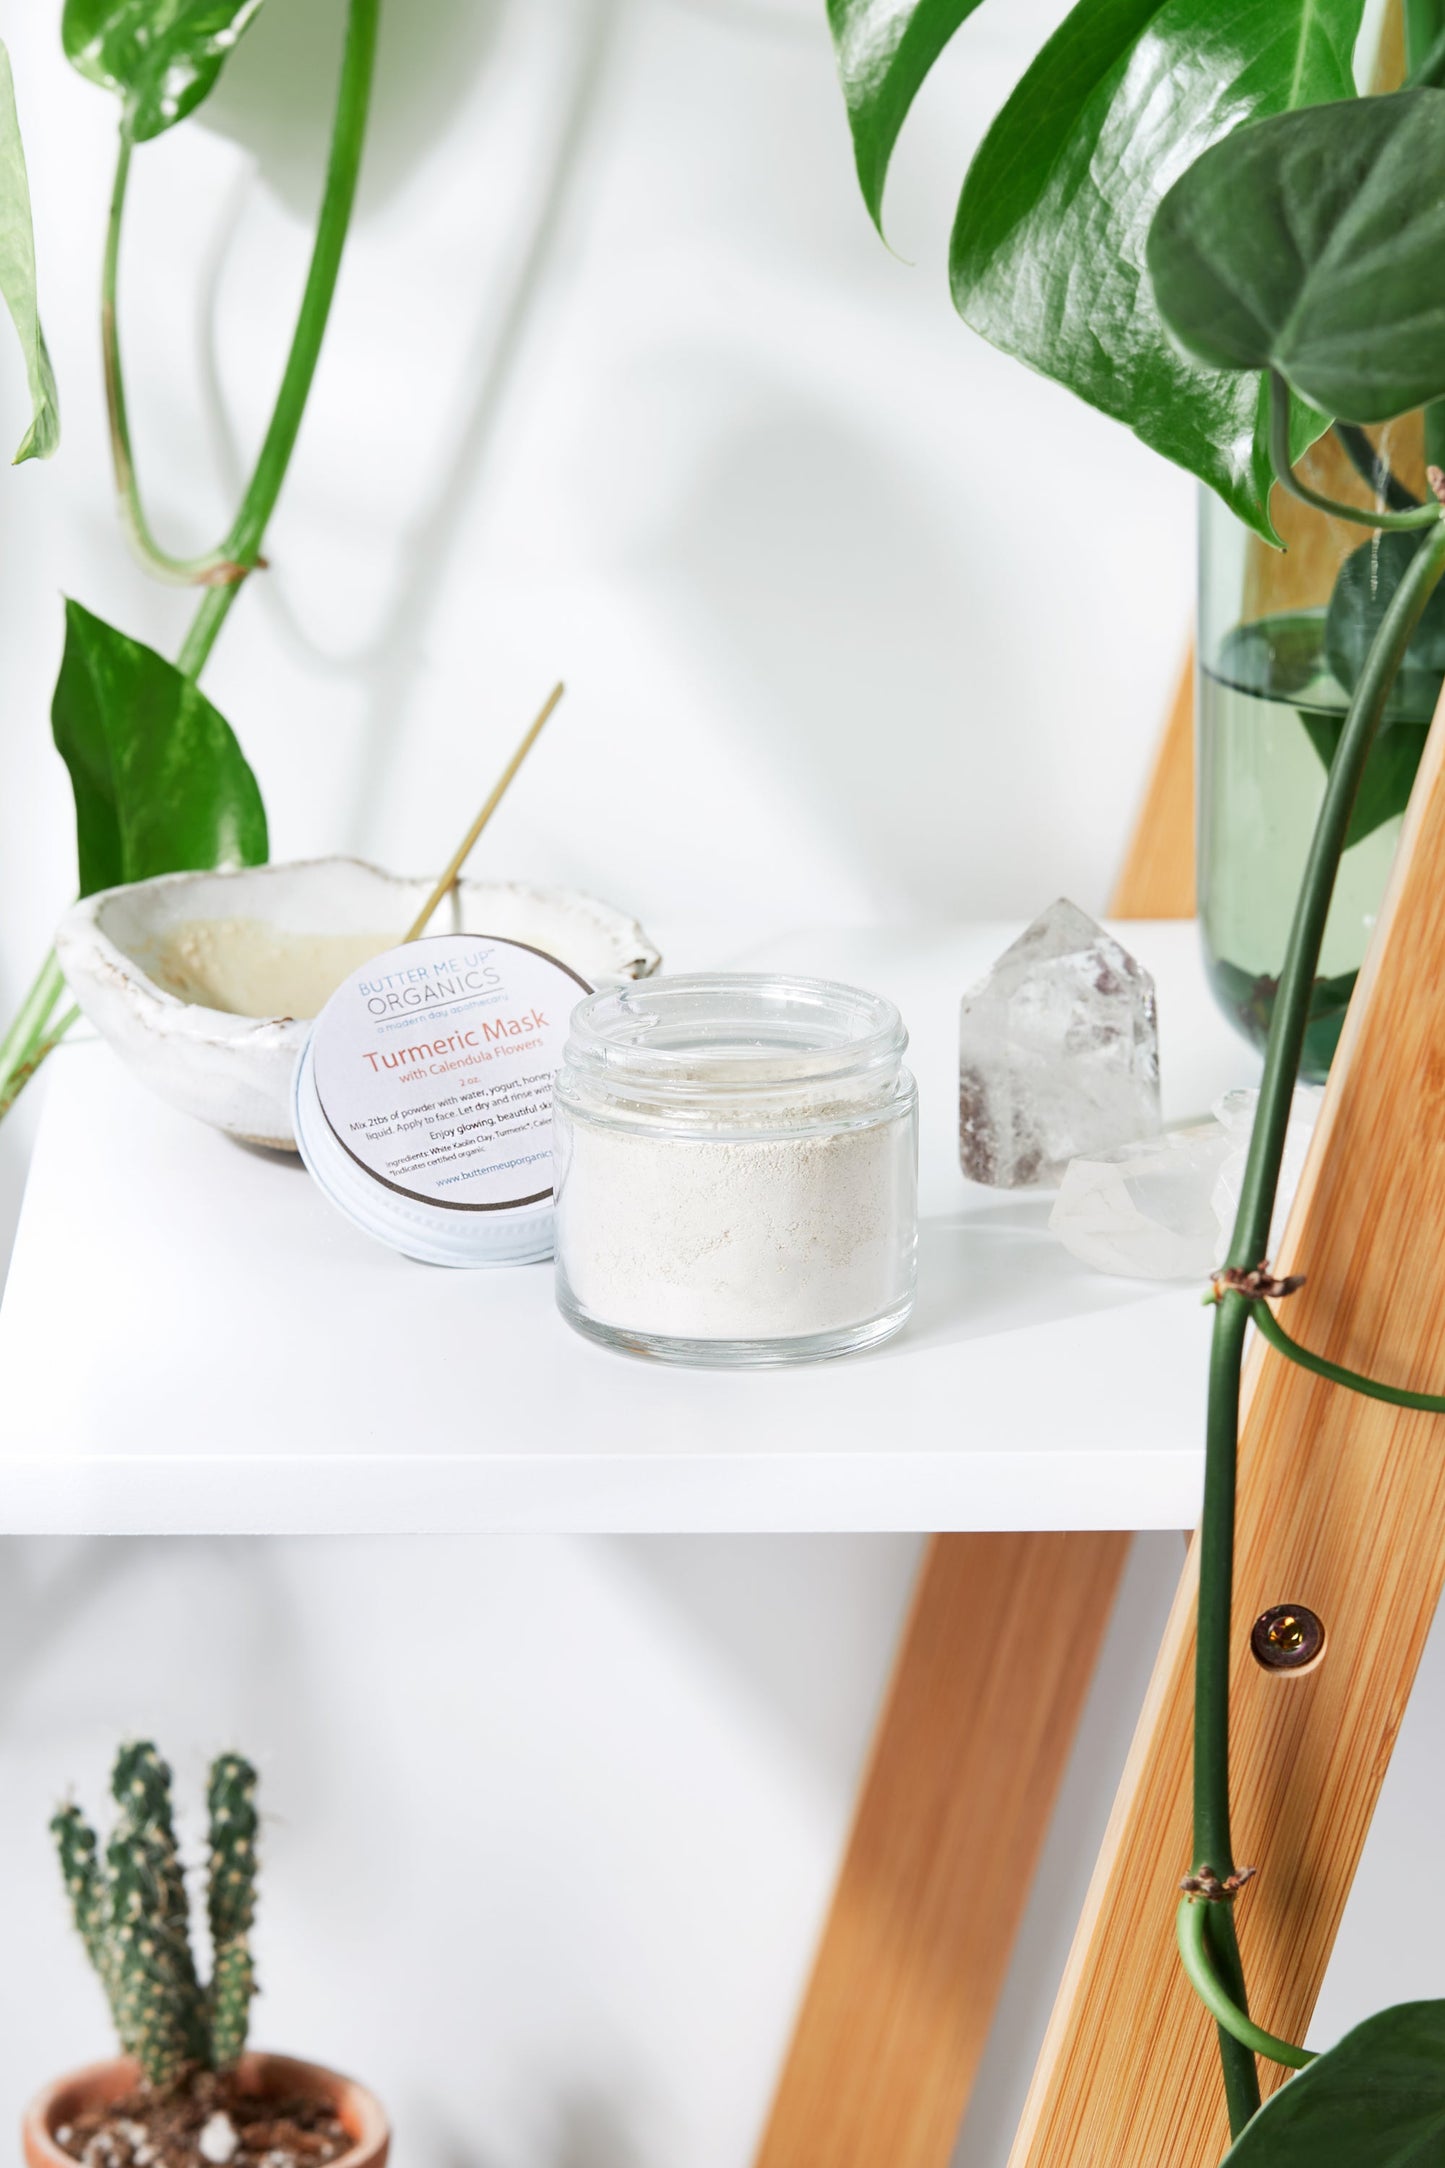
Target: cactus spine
{"x":131,"y":1911}
{"x":231,"y":1904}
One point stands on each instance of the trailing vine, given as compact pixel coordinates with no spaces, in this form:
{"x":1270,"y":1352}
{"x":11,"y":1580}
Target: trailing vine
{"x":119,"y":706}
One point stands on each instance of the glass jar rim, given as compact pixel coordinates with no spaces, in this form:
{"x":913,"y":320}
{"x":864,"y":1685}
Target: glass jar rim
{"x":733,"y":1035}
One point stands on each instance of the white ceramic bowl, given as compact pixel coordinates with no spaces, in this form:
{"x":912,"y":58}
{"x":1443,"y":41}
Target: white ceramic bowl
{"x":235,"y":1071}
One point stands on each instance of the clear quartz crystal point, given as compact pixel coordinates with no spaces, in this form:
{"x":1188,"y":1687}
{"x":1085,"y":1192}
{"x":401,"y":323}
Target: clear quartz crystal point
{"x":1146,"y":1210}
{"x":1058,"y":1054}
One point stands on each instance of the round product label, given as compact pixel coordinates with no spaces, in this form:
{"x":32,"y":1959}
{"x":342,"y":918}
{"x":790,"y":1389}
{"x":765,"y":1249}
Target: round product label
{"x":434,"y":1064}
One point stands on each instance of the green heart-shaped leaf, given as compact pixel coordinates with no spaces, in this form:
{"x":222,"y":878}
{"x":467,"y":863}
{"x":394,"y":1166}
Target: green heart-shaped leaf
{"x":1312,"y":244}
{"x":161,"y":785}
{"x":1311,"y":658}
{"x":1375,"y":2100}
{"x":1048,"y":254}
{"x":161,"y":56}
{"x":17,"y":278}
{"x":1364,"y":588}
{"x":885,"y":51}
{"x":1389,"y":775}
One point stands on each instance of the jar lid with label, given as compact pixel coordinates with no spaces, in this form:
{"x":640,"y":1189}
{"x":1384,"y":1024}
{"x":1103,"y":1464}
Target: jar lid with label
{"x":423,"y":1097}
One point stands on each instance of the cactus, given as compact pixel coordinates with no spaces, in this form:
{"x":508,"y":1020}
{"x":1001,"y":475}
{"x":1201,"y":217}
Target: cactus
{"x":131,"y":1911}
{"x":86,"y":1888}
{"x":158,"y":1997}
{"x":231,"y":1904}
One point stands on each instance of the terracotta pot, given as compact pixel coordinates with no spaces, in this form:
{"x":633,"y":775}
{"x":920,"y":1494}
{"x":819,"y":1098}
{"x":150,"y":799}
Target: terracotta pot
{"x":267,"y":2076}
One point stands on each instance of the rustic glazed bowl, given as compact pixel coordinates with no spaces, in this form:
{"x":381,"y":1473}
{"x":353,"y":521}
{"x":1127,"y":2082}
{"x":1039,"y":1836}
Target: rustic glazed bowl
{"x":235,"y":1071}
{"x":269,"y":2077}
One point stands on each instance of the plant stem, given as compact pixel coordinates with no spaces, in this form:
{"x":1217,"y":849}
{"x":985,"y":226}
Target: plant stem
{"x":182,"y":570}
{"x":14,"y":1084}
{"x":242,"y":546}
{"x":31,"y":1038}
{"x":1191,"y":1930}
{"x":33,"y":1015}
{"x":1279,"y":452}
{"x":1422,"y":22}
{"x":1373,"y":468}
{"x":1428,"y":73}
{"x":26,"y":1044}
{"x":1395,"y":1396}
{"x":1212,"y":1838}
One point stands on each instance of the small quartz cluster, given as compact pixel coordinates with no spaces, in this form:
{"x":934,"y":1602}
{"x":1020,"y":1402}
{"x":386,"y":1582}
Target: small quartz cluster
{"x":1058,"y":1054}
{"x":1164,"y":1208}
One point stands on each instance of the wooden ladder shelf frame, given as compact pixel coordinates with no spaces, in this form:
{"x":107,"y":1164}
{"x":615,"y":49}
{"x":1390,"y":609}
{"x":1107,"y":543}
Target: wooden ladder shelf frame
{"x":989,"y":1683}
{"x":988,"y":1687}
{"x":1341,"y":1507}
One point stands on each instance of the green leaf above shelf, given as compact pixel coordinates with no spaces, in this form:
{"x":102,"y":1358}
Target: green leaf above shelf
{"x":885,"y":51}
{"x":1048,"y":253}
{"x":161,"y":785}
{"x":17,"y":278}
{"x":1312,"y":244}
{"x":161,"y":56}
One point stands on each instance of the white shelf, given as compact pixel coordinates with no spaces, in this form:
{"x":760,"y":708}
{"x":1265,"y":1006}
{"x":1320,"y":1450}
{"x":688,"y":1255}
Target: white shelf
{"x":192,"y":1341}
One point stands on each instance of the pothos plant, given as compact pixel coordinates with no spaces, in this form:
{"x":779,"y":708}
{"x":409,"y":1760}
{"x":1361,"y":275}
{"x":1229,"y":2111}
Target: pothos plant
{"x":160,"y":782}
{"x":1188,"y":214}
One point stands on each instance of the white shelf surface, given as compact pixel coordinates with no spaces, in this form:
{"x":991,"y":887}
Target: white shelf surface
{"x":192,"y":1340}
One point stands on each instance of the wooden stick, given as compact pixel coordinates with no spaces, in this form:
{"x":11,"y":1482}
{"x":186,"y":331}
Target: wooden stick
{"x":465,"y":848}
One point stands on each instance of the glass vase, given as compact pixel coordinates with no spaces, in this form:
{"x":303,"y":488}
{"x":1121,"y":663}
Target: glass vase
{"x":1282,"y":636}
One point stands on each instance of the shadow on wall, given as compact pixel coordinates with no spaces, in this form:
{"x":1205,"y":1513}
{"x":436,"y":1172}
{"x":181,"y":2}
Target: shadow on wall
{"x":593,"y":2134}
{"x":397,"y":651}
{"x":276,"y":95}
{"x":293,"y":75}
{"x":588,"y":2130}
{"x":805,"y":1624}
{"x":854,"y":634}
{"x":38,"y":1609}
{"x":51,"y":1590}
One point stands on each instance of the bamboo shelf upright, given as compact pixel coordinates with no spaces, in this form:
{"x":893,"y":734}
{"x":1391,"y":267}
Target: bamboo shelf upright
{"x":1342,"y":1508}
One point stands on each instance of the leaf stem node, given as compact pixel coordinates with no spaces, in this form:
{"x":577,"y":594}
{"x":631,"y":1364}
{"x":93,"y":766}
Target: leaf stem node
{"x":228,"y":573}
{"x":1258,"y":1284}
{"x":1207,"y":1884}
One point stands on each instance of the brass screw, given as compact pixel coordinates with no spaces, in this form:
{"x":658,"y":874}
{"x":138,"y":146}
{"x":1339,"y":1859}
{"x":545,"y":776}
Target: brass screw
{"x":1287,"y":1637}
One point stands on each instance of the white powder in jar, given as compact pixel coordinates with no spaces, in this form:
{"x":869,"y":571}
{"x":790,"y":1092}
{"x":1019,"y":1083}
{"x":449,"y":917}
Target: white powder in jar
{"x":734,"y":1238}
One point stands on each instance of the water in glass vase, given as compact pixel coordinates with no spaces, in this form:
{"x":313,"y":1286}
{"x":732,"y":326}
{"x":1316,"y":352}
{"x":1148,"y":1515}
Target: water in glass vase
{"x":1271,"y":709}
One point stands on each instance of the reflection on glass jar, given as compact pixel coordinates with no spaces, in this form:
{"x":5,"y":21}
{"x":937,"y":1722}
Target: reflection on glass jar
{"x":1282,"y":640}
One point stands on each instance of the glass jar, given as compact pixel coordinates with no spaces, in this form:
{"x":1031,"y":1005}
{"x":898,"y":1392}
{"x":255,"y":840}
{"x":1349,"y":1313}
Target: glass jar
{"x":736,"y":1169}
{"x":1282,"y":636}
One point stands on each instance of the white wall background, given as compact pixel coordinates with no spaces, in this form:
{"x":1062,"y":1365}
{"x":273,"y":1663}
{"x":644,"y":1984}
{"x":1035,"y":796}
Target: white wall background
{"x":860,"y":622}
